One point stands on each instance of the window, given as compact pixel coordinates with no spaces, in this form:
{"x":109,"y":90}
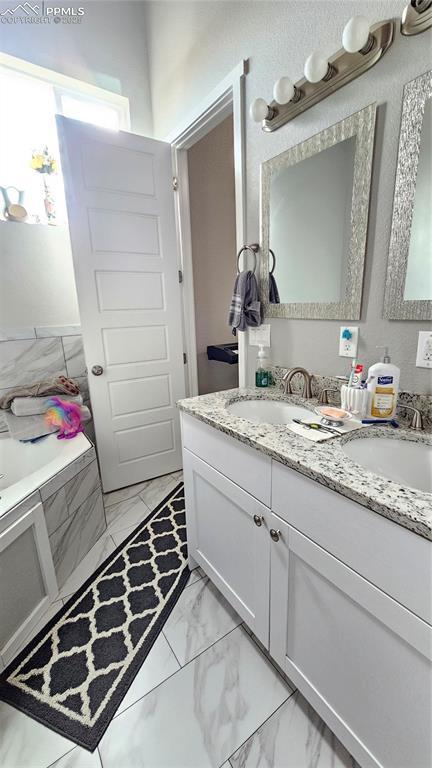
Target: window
{"x":90,"y":112}
{"x":29,"y":102}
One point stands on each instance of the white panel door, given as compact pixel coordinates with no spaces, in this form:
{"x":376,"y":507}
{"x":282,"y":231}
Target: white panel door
{"x":122,"y":227}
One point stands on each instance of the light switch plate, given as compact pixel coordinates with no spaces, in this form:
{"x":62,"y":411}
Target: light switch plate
{"x":348,"y":347}
{"x":260,"y":336}
{"x":424,"y":350}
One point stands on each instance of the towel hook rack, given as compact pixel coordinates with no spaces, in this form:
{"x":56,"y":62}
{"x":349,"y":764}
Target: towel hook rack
{"x":274,"y":260}
{"x":253,"y":248}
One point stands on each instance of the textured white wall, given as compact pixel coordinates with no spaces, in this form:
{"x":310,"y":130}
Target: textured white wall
{"x":37,"y":285}
{"x":193,"y":45}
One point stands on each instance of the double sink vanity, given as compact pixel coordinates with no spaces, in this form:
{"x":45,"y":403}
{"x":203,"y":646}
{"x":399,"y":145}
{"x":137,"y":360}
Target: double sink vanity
{"x":324,"y":550}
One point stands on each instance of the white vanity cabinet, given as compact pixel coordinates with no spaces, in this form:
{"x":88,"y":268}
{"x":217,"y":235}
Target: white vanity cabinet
{"x":228,"y":537}
{"x":339,"y":595}
{"x":360,"y":658}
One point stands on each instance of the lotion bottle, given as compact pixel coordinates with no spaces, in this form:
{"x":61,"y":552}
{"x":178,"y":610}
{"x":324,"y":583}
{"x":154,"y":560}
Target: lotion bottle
{"x":383,"y":386}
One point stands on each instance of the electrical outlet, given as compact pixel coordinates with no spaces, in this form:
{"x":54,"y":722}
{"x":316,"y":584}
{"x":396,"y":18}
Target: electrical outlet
{"x":348,"y":341}
{"x":260,"y":336}
{"x":424,"y":350}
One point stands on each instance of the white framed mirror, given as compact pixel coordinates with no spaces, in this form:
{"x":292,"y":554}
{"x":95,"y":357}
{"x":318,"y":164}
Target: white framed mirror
{"x":314,"y":218}
{"x":408,"y":294}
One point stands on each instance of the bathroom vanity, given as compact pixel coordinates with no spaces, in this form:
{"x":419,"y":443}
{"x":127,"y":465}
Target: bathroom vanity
{"x":328,"y":564}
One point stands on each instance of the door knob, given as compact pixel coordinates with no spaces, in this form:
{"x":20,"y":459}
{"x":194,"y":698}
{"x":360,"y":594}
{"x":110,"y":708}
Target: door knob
{"x":97,"y":370}
{"x":275,"y":535}
{"x":258,"y":520}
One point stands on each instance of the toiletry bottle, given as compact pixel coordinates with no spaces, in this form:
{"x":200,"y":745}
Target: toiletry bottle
{"x":355,"y":379}
{"x":383,"y":385}
{"x":262,"y":368}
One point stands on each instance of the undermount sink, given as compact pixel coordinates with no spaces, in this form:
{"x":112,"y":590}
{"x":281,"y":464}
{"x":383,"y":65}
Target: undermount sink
{"x":404,"y":461}
{"x":268,"y":411}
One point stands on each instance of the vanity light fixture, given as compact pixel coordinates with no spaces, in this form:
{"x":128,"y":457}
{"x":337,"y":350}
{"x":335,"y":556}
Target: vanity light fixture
{"x":416,"y":17}
{"x":284,"y":91}
{"x":356,"y":36}
{"x":317,"y":68}
{"x":259,"y":110}
{"x":363,"y":46}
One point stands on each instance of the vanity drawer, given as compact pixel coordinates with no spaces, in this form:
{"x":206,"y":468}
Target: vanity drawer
{"x":245,"y":466}
{"x":393,"y":558}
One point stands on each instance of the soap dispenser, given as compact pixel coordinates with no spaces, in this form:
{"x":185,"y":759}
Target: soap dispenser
{"x":262,"y":373}
{"x":383,"y":386}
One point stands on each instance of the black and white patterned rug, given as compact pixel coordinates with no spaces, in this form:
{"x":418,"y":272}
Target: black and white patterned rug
{"x":73,"y":675}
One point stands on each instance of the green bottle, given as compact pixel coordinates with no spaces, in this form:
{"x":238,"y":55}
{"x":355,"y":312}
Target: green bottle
{"x":262,"y":374}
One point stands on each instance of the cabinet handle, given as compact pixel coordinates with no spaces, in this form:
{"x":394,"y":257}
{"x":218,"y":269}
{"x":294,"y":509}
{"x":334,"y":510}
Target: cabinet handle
{"x":258,"y":520}
{"x":275,"y":535}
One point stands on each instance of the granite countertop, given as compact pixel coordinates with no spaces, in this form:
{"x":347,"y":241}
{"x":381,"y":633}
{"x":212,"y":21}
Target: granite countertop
{"x":324,"y":462}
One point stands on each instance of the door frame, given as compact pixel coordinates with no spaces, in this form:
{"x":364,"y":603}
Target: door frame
{"x":226,"y":98}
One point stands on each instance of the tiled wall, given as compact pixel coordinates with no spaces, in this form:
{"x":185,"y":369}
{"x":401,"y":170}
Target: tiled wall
{"x":74,"y":515}
{"x":29,"y":355}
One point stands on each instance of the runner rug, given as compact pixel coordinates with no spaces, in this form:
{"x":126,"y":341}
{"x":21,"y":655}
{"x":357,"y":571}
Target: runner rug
{"x":73,"y":675}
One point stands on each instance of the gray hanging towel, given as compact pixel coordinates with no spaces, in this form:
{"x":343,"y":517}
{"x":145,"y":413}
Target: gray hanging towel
{"x":245,"y":306}
{"x":273,"y":290}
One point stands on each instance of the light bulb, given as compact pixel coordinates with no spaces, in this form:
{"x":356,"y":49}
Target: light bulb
{"x":259,"y":110}
{"x":355,"y":34}
{"x":316,"y":67}
{"x":283,"y":90}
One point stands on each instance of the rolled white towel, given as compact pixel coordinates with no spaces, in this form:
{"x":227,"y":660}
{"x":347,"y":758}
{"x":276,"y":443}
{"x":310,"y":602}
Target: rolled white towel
{"x":33,"y":406}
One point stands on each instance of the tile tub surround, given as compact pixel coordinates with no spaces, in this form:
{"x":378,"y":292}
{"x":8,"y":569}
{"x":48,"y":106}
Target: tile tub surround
{"x":28,"y":355}
{"x":75,"y":519}
{"x":27,"y":361}
{"x":324,"y":462}
{"x":61,"y":504}
{"x":74,"y":512}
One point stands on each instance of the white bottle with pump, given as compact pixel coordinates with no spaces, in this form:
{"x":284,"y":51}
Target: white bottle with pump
{"x":383,"y":386}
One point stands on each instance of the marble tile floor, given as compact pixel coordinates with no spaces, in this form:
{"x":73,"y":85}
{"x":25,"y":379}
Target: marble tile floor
{"x":206,"y":696}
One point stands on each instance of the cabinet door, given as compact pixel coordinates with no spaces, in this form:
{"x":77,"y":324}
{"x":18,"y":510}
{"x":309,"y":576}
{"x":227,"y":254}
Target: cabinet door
{"x":228,"y":536}
{"x":359,"y":657}
{"x":27,"y":579}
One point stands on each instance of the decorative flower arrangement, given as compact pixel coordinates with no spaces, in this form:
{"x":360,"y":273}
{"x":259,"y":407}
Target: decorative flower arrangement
{"x":43,"y":162}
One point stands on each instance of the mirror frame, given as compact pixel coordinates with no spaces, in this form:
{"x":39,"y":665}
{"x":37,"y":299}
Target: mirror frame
{"x":361,"y":125}
{"x":396,"y":307}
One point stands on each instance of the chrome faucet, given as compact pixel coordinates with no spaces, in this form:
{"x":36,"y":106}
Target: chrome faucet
{"x":286,"y":382}
{"x":417,"y":418}
{"x":323,"y":395}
